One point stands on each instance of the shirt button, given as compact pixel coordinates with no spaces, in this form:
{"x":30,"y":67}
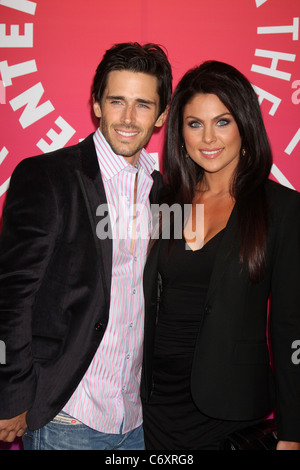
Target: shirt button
{"x":134,"y":291}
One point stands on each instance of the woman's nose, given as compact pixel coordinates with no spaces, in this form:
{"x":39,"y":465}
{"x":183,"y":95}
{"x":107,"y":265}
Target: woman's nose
{"x":209,"y":135}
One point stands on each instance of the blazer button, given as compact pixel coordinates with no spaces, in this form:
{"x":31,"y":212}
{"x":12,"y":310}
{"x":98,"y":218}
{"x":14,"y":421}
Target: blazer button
{"x":207,"y":309}
{"x":98,"y":326}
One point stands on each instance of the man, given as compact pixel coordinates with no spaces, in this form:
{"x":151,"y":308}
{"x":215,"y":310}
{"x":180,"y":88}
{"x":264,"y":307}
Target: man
{"x":71,"y":297}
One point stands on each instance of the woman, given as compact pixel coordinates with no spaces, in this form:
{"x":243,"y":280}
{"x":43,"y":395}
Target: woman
{"x":207,"y":366}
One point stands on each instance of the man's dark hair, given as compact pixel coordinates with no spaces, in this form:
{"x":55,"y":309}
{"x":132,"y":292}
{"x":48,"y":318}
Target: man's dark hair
{"x":149,"y":58}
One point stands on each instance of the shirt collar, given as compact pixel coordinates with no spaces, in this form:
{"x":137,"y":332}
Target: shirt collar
{"x":111,"y":164}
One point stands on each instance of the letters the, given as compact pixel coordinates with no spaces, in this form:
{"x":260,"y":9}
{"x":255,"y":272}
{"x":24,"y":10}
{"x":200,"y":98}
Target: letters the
{"x":294,"y":29}
{"x":272,"y":71}
{"x":264,"y":95}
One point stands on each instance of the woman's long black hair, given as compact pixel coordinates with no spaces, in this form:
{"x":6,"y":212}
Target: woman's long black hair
{"x":247,"y":188}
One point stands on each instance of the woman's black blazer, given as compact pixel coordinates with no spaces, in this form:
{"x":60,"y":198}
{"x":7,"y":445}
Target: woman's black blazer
{"x":232,"y":375}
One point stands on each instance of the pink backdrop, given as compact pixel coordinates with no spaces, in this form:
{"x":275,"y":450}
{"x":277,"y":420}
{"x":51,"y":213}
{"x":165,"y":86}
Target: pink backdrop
{"x":50,"y":49}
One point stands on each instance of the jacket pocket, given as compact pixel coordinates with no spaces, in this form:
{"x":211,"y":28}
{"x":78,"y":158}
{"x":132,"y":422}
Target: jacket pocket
{"x":251,"y":353}
{"x":46,"y":348}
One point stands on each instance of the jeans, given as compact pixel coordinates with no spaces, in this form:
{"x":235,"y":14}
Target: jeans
{"x":66,"y":433}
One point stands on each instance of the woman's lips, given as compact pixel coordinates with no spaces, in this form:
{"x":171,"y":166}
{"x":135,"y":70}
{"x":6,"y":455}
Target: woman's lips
{"x":211,"y":153}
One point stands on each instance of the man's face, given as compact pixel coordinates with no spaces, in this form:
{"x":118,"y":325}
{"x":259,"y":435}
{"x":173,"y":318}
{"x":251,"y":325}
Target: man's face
{"x":129,"y":111}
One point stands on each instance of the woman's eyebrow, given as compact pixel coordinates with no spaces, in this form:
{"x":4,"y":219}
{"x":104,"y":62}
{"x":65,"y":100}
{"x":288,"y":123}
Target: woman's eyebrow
{"x":213,"y":119}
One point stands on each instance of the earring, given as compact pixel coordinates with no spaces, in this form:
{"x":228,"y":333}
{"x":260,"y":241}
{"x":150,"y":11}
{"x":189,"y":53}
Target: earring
{"x":184,"y":151}
{"x":243,"y":152}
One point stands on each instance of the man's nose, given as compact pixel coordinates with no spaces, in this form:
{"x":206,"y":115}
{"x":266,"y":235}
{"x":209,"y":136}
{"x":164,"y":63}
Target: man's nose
{"x":129,"y":114}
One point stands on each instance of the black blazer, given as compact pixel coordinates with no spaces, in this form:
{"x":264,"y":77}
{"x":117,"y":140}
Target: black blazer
{"x":231,"y":377}
{"x":53,"y":307}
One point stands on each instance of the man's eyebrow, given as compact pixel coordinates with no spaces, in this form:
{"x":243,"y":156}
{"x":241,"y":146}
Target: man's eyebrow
{"x":138,"y":100}
{"x":114,"y":97}
{"x":144,"y":101}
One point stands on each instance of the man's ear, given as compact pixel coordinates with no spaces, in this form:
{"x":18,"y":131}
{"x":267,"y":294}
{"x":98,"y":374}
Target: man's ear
{"x":97,"y":108}
{"x":162,"y":118}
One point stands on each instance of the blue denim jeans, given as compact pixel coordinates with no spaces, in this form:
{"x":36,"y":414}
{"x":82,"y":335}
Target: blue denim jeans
{"x":66,"y":433}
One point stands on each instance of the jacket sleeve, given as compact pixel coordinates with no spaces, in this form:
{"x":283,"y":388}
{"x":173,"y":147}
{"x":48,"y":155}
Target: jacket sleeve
{"x":285,"y":318}
{"x":26,"y":241}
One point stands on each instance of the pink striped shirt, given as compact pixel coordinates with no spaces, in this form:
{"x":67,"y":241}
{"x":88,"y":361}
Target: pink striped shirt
{"x":109,"y":393}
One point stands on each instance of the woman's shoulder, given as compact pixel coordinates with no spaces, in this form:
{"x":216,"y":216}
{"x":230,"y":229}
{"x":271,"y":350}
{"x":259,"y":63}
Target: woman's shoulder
{"x":283,"y":206}
{"x":280,"y":194}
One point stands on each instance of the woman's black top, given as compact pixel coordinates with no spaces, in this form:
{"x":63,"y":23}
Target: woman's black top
{"x":171,"y":419}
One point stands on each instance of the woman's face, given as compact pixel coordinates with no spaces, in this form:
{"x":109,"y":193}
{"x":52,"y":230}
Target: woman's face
{"x":211,"y":134}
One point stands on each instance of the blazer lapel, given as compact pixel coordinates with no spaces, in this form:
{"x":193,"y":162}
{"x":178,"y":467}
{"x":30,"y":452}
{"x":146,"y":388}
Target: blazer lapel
{"x":94,"y":194}
{"x":226,"y":253}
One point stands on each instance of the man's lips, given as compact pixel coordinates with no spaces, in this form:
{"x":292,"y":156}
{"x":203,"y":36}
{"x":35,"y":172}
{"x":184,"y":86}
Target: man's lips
{"x":126,"y":133}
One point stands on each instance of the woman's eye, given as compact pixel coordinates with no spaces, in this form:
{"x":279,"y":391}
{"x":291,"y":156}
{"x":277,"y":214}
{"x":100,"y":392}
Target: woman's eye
{"x":194,"y":124}
{"x":223,"y":122}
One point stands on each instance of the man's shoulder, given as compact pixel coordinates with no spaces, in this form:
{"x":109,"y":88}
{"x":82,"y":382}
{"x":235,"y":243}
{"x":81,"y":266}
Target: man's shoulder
{"x":71,"y":151}
{"x":68,"y":157}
